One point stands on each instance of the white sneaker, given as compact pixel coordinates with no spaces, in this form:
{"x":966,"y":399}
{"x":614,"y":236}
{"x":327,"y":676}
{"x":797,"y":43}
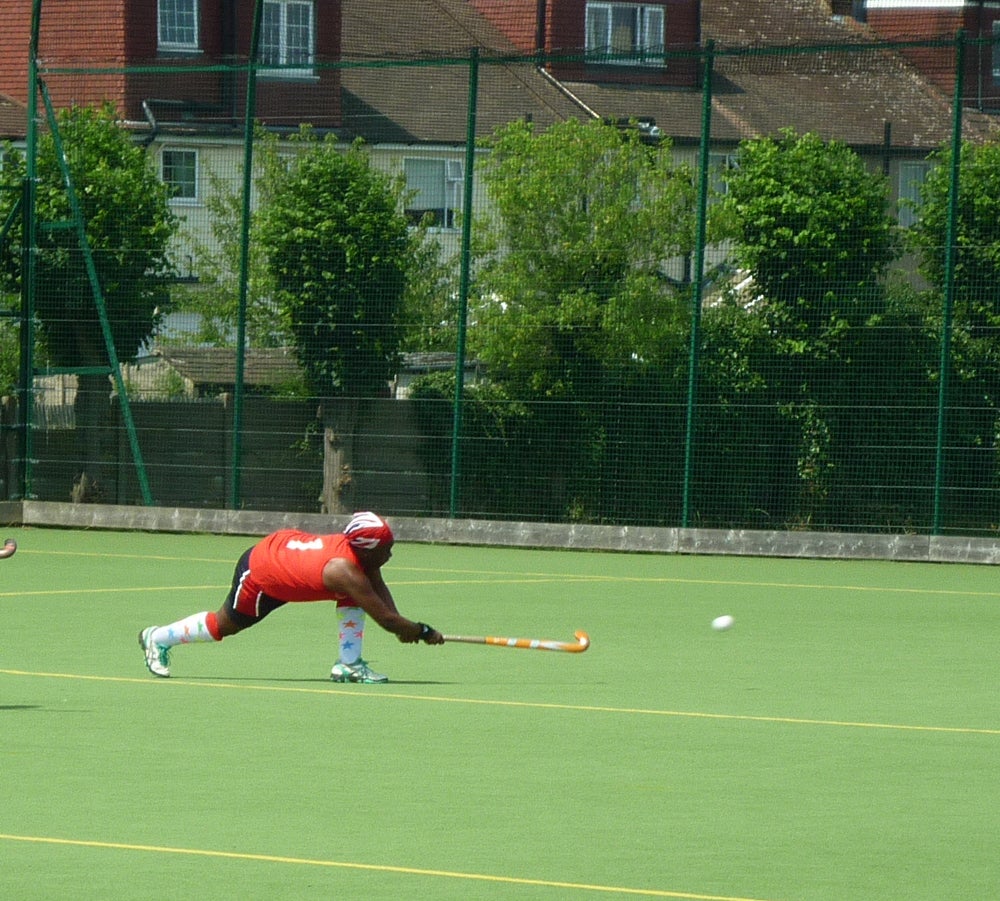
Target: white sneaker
{"x":157,"y":656}
{"x":356,"y":672}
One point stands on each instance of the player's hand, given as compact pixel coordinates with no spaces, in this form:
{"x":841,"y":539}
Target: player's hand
{"x":426,"y":634}
{"x":432,"y":636}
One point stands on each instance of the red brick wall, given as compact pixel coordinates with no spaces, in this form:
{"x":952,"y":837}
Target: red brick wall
{"x":565,"y":24}
{"x":187,"y":94}
{"x":116,"y":33}
{"x":938,"y":63}
{"x":284,"y":102}
{"x":14,"y":38}
{"x":682,"y":32}
{"x":515,"y":18}
{"x":70,"y":35}
{"x":75,"y":35}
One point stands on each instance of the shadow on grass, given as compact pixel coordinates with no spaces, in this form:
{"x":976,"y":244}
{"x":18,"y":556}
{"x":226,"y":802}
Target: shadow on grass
{"x":316,"y":680}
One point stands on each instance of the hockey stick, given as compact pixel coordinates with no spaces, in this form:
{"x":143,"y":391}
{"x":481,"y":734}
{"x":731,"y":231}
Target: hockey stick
{"x":9,"y":546}
{"x":536,"y":644}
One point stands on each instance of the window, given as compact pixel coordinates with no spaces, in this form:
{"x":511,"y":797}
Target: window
{"x":996,"y":52}
{"x":719,"y":167}
{"x":434,"y":190}
{"x":628,"y":32}
{"x":911,"y":179}
{"x":179,"y":170}
{"x":177,"y":24}
{"x":286,"y":38}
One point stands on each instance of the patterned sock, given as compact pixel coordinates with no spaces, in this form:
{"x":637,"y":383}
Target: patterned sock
{"x":185,"y":631}
{"x":352,"y":633}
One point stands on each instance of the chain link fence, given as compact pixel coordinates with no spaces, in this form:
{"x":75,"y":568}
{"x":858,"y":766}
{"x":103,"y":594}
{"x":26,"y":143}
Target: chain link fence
{"x":447,"y":285}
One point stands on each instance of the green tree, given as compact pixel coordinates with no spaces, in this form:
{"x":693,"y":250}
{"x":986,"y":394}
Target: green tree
{"x":573,"y":303}
{"x":571,"y":266}
{"x":215,"y":296}
{"x":428,"y":309}
{"x":340,"y":254}
{"x":9,"y":279}
{"x":977,"y":230}
{"x":128,"y":224}
{"x":10,"y":346}
{"x":811,"y":226}
{"x":975,"y":345}
{"x":429,"y":313}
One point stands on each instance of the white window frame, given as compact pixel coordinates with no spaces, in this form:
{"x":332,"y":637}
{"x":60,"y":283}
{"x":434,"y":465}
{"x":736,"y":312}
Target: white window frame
{"x":279,"y":49}
{"x":912,"y":175}
{"x":434,"y":184}
{"x":178,"y":198}
{"x":647,"y":39}
{"x":171,"y":32}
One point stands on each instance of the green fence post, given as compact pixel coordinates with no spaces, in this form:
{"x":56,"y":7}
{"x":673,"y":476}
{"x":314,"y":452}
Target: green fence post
{"x":95,"y":287}
{"x":235,"y":483}
{"x":697,"y":277}
{"x":29,"y":254}
{"x":464,"y":278}
{"x":949,"y":281}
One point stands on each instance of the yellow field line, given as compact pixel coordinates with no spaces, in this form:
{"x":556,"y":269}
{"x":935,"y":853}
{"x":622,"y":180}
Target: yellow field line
{"x":540,"y":579}
{"x":376,"y":868}
{"x":126,"y":590}
{"x":531,"y":705}
{"x":493,"y":577}
{"x":224,"y":587}
{"x":181,"y":558}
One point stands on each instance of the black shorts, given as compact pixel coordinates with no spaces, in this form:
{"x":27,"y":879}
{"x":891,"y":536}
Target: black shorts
{"x":246,"y":603}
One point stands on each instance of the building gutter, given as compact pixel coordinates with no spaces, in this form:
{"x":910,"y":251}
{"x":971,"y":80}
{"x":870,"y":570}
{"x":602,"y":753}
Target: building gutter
{"x":556,"y":83}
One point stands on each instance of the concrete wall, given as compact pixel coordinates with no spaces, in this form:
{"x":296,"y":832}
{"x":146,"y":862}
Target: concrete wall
{"x":840,"y":545}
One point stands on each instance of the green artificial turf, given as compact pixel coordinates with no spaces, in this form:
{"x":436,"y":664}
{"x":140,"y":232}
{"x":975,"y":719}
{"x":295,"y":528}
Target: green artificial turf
{"x":840,"y":742}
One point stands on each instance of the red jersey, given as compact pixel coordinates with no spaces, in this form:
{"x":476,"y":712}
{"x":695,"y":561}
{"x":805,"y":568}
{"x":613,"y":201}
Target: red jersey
{"x":288,"y":565}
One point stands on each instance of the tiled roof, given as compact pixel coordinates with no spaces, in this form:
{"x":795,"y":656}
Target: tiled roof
{"x":848,"y":96}
{"x":758,"y":23}
{"x":408,"y":29}
{"x":845,"y":96}
{"x":428,"y":103}
{"x":853,"y":97}
{"x":217,"y":365}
